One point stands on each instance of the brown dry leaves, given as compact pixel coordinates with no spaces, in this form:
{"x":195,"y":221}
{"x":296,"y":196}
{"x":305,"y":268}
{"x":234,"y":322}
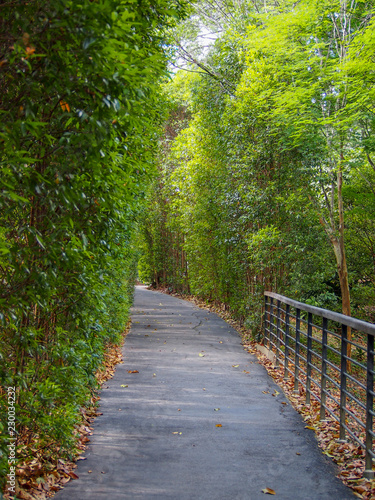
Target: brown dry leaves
{"x":112,"y":357}
{"x":40,"y":479}
{"x":269,"y":491}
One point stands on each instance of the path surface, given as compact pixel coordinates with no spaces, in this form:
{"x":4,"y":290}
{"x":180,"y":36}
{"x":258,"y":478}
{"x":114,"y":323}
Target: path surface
{"x":158,"y":436}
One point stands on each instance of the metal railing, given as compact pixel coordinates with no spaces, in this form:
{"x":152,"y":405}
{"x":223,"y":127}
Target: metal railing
{"x":330,"y":356}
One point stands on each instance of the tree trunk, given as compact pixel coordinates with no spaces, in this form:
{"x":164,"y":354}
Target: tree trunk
{"x":339,"y":249}
{"x":342,"y":270}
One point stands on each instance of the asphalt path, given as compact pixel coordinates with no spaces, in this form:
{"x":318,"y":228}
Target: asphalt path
{"x":199,"y":418}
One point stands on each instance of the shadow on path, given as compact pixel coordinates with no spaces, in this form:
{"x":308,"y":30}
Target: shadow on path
{"x":201,"y":419}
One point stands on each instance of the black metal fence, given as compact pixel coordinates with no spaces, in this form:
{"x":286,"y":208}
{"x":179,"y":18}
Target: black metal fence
{"x":331,"y":358}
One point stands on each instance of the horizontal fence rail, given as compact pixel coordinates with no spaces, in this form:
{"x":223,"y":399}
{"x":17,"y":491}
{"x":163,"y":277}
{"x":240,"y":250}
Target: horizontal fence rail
{"x":330,"y":356}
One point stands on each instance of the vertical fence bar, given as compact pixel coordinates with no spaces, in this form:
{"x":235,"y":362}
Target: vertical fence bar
{"x":278,"y":335}
{"x":265,"y":320}
{"x":270,"y":340}
{"x":369,"y":406}
{"x":323,"y":382}
{"x":263,"y":325}
{"x":309,"y":358}
{"x":296,"y":360}
{"x":344,"y":353}
{"x":286,"y":340}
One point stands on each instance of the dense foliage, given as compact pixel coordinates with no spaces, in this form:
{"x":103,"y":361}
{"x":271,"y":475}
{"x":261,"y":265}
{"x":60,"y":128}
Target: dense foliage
{"x":268,"y":182}
{"x":79,"y":116}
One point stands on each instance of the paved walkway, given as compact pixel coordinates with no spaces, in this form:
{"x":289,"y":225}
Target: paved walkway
{"x":201,"y":420}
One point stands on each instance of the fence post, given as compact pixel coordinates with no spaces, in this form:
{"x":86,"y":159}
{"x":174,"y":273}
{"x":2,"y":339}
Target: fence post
{"x":265,"y":319}
{"x":369,"y":473}
{"x":323,"y":383}
{"x":271,"y":325}
{"x":286,"y":342}
{"x":296,"y":350}
{"x":308,"y":358}
{"x":344,"y":353}
{"x":278,"y":335}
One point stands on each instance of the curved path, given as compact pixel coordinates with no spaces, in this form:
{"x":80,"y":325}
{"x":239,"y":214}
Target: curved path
{"x":200,"y":420}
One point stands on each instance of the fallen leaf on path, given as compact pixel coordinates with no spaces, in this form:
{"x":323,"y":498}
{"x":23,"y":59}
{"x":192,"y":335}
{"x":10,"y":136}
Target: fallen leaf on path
{"x":133,"y":371}
{"x":359,"y":489}
{"x":219,"y":425}
{"x":216,"y":409}
{"x":73,"y":475}
{"x":201,"y":355}
{"x":275,"y":393}
{"x":310,"y":427}
{"x":235,"y":366}
{"x":269,"y":491}
{"x":122,"y":385}
{"x":266,"y":392}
